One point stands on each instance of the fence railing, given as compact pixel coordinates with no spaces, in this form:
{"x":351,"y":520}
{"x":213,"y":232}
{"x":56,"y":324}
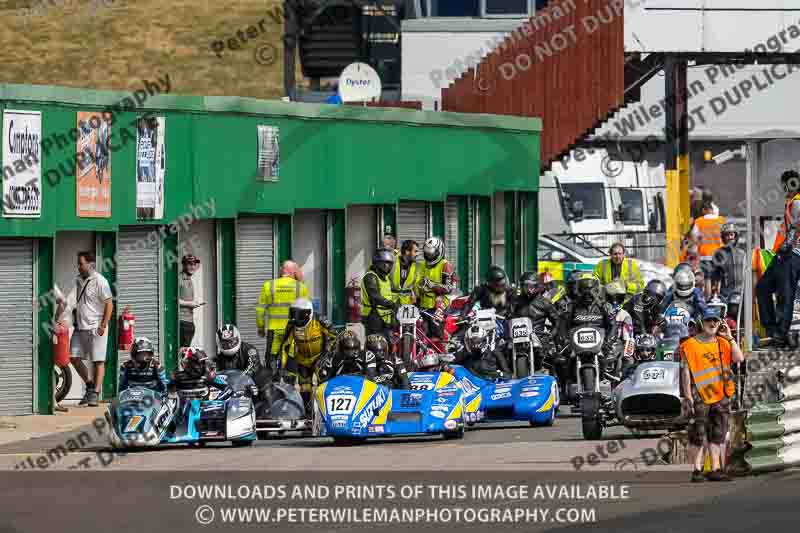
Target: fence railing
{"x":642,"y":245}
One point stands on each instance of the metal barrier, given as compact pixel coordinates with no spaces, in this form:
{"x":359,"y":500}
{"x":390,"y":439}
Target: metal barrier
{"x":643,"y":245}
{"x":773,"y":430}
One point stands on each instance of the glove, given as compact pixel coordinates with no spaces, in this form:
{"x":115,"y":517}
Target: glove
{"x":254,"y":390}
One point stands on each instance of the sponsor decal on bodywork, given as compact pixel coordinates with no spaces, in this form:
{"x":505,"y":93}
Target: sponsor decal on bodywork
{"x":369,"y":411}
{"x":438,"y":414}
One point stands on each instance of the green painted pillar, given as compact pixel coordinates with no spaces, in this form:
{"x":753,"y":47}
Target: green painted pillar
{"x":46,"y":308}
{"x":337,"y":264}
{"x":531,"y":222}
{"x":108,"y":249}
{"x":226,"y":237}
{"x":511,"y":236}
{"x":389,"y":219}
{"x":463,"y":244}
{"x":171,"y":266}
{"x":437,"y":216}
{"x":484,"y":237}
{"x":284,"y":239}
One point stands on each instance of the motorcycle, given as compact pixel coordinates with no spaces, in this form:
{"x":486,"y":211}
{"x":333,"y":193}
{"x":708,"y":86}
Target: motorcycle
{"x":589,"y":392}
{"x":411,"y":343}
{"x":525,"y":345}
{"x":279,"y":408}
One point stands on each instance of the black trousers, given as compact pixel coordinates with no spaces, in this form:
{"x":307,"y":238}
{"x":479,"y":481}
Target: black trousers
{"x":187,"y":333}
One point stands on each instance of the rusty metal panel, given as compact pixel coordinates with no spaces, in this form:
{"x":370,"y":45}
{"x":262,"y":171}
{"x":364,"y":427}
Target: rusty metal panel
{"x":572,"y":88}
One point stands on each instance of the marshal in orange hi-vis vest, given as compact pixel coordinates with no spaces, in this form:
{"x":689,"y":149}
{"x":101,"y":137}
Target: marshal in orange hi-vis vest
{"x":710,"y":236}
{"x":710,"y":366}
{"x":781,"y":236}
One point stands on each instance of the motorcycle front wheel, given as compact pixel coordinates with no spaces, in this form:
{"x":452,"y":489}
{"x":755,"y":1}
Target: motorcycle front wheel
{"x":62,"y":381}
{"x":588,"y":377}
{"x":522,"y":368}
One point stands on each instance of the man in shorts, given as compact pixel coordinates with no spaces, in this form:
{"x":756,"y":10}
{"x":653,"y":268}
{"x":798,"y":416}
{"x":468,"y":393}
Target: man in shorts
{"x":708,"y":386}
{"x":93,"y":310}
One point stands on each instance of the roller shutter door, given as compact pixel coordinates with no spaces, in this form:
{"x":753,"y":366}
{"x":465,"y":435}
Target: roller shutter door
{"x":255,"y":262}
{"x":139,"y":283}
{"x":451,"y":233}
{"x":16,"y":333}
{"x":413,"y":222}
{"x":472,"y":244}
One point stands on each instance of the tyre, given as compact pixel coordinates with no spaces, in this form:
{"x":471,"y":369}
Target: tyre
{"x":588,"y":376}
{"x":347,"y":441}
{"x":590,"y":418}
{"x":522,"y":367}
{"x":241,"y":443}
{"x":62,"y":382}
{"x":453,"y":435}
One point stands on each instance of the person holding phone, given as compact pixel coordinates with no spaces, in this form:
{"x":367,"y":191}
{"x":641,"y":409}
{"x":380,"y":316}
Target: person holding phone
{"x":708,"y":386}
{"x":186,"y":300}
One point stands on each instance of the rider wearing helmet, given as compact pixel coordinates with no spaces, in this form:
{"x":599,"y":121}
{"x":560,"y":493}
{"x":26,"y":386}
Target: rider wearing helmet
{"x":378,"y":305}
{"x":645,"y":351}
{"x":306,"y":339}
{"x":347,"y":357}
{"x":437,"y":280}
{"x":142,"y":370}
{"x":195,"y":374}
{"x":234,"y":354}
{"x":590,"y":310}
{"x":382,"y":366}
{"x":495,"y":293}
{"x":683,"y":289}
{"x":645,"y":307}
{"x":727,"y":275}
{"x":535,"y":301}
{"x":479,"y":357}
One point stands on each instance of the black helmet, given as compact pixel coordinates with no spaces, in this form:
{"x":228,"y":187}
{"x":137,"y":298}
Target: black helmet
{"x":142,"y":351}
{"x":229,"y":340}
{"x":301,"y":312}
{"x":496,"y":279}
{"x":790,"y":181}
{"x":572,"y":284}
{"x":377,"y":344}
{"x":615,"y":293}
{"x":349,"y":345}
{"x":530,"y":285}
{"x":193,"y":361}
{"x":587,"y":286}
{"x":383,"y":261}
{"x":645,"y":347}
{"x":654,"y":293}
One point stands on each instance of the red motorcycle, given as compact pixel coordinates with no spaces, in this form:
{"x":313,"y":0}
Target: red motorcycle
{"x":412,"y":343}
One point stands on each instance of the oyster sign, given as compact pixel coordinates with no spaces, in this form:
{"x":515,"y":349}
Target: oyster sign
{"x":359,"y":82}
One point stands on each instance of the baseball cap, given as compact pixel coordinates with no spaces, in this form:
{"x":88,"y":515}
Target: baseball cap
{"x":711,"y":312}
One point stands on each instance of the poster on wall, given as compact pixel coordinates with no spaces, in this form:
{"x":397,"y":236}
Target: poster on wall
{"x":150,"y":165}
{"x":21,"y":165}
{"x":93,"y":165}
{"x":268,"y":153}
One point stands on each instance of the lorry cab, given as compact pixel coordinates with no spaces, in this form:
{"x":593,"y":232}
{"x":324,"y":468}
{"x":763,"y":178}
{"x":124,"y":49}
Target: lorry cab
{"x":597,"y":194}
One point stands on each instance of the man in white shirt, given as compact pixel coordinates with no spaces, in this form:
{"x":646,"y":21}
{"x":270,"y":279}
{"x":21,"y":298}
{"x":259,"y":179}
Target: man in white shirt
{"x":92,"y":313}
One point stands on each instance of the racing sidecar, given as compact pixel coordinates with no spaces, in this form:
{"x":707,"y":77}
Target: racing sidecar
{"x":650,"y":398}
{"x":352,"y":408}
{"x":142,"y":417}
{"x":279,"y":409}
{"x":534,"y":399}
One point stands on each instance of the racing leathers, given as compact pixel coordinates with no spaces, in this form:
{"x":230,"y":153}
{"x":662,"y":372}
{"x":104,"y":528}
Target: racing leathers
{"x":595,"y":314}
{"x":541,"y":309}
{"x":302,"y":349}
{"x":386,"y":369}
{"x":645,"y":319}
{"x":502,"y":303}
{"x":696,"y":301}
{"x":336,"y":364}
{"x":191,"y":385}
{"x":152,"y":376}
{"x":488,"y":364}
{"x":248,"y":362}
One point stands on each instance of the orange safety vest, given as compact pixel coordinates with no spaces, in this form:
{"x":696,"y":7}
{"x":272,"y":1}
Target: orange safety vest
{"x":710,"y":236}
{"x":710,"y":366}
{"x":781,"y":236}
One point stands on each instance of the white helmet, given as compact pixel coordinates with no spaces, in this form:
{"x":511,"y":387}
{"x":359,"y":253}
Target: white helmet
{"x":429,"y":361}
{"x":476,"y":339}
{"x":229,"y":341}
{"x":433,"y":250}
{"x":684,"y":283}
{"x":301,"y":312}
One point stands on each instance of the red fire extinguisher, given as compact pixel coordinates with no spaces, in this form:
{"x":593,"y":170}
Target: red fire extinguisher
{"x":126,"y":324}
{"x":353,"y":295}
{"x":61,"y":342}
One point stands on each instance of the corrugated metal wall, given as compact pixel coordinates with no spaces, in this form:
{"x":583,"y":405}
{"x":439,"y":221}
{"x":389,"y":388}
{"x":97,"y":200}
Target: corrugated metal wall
{"x":572,"y":87}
